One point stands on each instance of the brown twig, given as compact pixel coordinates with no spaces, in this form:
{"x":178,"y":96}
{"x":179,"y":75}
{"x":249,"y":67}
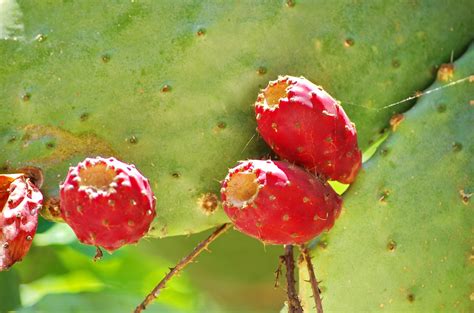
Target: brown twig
{"x":185,"y":261}
{"x":312,"y":278}
{"x":281,"y":260}
{"x":294,"y":304}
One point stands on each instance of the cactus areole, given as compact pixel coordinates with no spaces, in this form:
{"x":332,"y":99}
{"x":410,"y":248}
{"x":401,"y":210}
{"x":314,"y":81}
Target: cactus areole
{"x":20,"y":201}
{"x":107,"y":203}
{"x":278,"y":203}
{"x":302,"y":123}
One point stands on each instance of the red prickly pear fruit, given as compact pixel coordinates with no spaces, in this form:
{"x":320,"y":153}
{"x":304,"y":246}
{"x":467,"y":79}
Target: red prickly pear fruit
{"x":302,"y":123}
{"x":278,"y":203}
{"x":20,"y":202}
{"x":107,"y":203}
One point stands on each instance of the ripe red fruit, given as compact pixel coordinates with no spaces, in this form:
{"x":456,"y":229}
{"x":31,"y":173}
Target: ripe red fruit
{"x":304,"y":124}
{"x":107,"y":203}
{"x":277,"y":202}
{"x":20,"y":201}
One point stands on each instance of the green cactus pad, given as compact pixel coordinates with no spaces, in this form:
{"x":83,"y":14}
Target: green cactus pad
{"x":404,"y":240}
{"x":169,"y":85}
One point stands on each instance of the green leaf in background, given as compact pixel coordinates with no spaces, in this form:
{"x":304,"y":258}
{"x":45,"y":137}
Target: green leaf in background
{"x":73,"y":282}
{"x":95,"y":302}
{"x":9,"y":290}
{"x":60,"y":273}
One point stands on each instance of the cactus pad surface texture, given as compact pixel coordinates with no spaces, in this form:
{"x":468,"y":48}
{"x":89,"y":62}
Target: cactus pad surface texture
{"x":403,"y":242}
{"x":169,"y":85}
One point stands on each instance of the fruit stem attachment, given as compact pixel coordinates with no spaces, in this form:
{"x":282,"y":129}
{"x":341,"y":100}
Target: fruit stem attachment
{"x":312,"y":278}
{"x":181,"y":264}
{"x":98,"y":254}
{"x":35,"y":174}
{"x":294,"y":304}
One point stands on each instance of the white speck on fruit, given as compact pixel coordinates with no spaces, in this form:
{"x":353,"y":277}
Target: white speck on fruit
{"x":324,"y":112}
{"x":92,"y":237}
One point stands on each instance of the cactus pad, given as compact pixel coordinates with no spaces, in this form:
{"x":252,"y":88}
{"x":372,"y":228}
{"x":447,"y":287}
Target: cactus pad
{"x":169,"y":85}
{"x":403,"y":242}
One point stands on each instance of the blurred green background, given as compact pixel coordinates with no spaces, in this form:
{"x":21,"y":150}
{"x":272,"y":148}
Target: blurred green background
{"x":59,"y":275}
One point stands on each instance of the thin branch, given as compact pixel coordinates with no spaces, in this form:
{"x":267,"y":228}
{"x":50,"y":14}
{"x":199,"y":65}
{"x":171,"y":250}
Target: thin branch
{"x":294,"y":304}
{"x":281,"y":260}
{"x":312,"y":278}
{"x":183,"y":263}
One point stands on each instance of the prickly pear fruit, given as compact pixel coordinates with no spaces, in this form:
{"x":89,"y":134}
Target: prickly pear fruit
{"x":107,"y":203}
{"x":304,"y":124}
{"x":20,"y":201}
{"x":278,"y":203}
